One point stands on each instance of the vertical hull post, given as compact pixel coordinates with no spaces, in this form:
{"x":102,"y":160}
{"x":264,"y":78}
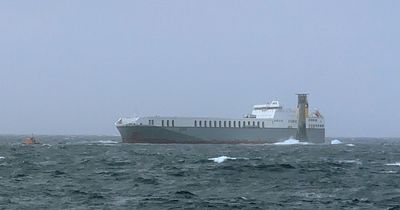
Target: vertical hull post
{"x":302,"y":107}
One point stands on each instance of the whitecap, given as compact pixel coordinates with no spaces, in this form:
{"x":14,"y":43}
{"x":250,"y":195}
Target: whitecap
{"x":350,"y":145}
{"x":107,"y":142}
{"x":389,"y":172}
{"x":336,"y":141}
{"x":393,"y":164}
{"x":221,"y":159}
{"x":290,"y":142}
{"x":2,"y":158}
{"x":351,"y":161}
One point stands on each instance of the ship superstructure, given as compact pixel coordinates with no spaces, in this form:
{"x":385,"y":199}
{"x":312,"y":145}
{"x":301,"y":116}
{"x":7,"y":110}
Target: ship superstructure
{"x":267,"y":123}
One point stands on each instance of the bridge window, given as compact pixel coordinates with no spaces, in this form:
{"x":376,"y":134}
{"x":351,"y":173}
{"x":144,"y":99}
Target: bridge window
{"x":195,"y":123}
{"x":248,"y":123}
{"x":224,"y":124}
{"x":234,"y":124}
{"x":167,"y":123}
{"x":210,"y":124}
{"x":254,"y":124}
{"x":229,"y":123}
{"x":239,"y":124}
{"x":200,"y":123}
{"x":173,"y":123}
{"x":162,"y":123}
{"x":205,"y":124}
{"x":258,"y":124}
{"x":220,"y":124}
{"x":263,"y":124}
{"x":215,"y":124}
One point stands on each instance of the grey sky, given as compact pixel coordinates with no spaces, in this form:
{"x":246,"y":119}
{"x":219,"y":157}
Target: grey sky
{"x":74,"y":67}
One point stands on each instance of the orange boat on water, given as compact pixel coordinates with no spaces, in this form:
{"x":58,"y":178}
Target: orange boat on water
{"x":30,"y":140}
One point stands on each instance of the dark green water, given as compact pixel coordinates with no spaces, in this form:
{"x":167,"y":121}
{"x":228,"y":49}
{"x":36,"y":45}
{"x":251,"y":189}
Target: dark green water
{"x":97,"y":172}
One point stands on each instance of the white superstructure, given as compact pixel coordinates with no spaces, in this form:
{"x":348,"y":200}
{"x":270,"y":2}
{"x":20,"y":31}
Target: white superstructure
{"x":270,"y":115}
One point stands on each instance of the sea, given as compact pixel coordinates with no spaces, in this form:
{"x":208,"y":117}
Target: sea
{"x":100,"y":172}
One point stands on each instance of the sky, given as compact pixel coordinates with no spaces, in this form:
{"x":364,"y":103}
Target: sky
{"x":75,"y":67}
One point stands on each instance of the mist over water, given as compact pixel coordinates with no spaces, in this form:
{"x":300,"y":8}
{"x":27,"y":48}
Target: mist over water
{"x":98,"y":172}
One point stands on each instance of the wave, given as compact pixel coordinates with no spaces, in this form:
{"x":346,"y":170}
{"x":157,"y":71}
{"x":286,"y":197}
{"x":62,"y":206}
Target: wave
{"x":223,"y":158}
{"x":388,"y":172}
{"x":336,"y":141}
{"x":185,"y":194}
{"x":351,"y":161}
{"x":393,"y":164}
{"x":291,"y":142}
{"x":1,"y":157}
{"x":350,"y":145}
{"x":107,"y":142}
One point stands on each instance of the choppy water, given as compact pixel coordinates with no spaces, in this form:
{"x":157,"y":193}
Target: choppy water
{"x":89,"y":172}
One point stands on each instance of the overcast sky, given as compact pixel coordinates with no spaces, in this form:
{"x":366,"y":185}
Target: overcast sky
{"x":75,"y":67}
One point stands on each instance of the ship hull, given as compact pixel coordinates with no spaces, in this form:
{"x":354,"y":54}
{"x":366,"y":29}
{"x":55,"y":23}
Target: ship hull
{"x":196,"y":135}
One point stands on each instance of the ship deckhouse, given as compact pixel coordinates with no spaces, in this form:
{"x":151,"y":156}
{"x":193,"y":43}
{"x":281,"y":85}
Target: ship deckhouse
{"x":266,"y":111}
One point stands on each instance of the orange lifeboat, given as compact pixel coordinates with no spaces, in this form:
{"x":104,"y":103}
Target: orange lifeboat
{"x":30,"y":140}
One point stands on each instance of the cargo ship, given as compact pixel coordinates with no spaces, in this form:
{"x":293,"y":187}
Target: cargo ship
{"x":267,"y":123}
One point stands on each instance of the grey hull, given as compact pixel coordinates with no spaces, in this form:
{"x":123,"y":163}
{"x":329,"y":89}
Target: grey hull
{"x":196,"y":135}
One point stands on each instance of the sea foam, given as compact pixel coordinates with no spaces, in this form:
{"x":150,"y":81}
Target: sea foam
{"x":351,"y":161}
{"x":393,"y":164}
{"x":291,"y":142}
{"x":335,"y":141}
{"x":107,"y":142}
{"x":388,"y":172}
{"x":221,"y":159}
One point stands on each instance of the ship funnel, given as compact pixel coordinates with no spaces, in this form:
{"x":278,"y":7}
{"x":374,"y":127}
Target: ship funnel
{"x":302,"y":112}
